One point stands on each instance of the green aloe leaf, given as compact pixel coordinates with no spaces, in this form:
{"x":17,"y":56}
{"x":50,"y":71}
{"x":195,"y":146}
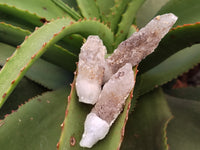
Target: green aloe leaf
{"x":56,"y":54}
{"x":88,"y":8}
{"x":183,"y":130}
{"x":132,"y":29}
{"x":36,"y":124}
{"x":185,"y":93}
{"x":146,"y":127}
{"x":71,"y":12}
{"x":46,"y":8}
{"x":177,"y":39}
{"x":21,"y":18}
{"x":30,"y":89}
{"x":113,"y":18}
{"x":148,"y":11}
{"x":187,"y":11}
{"x":42,"y":72}
{"x":73,"y":125}
{"x":127,"y":20}
{"x":12,"y":35}
{"x":71,"y":3}
{"x":166,"y":71}
{"x":104,"y":7}
{"x":29,"y":51}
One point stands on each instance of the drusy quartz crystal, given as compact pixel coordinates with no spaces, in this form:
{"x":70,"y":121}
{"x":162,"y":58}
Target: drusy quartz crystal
{"x":90,"y":70}
{"x":108,"y":106}
{"x":117,"y":74}
{"x":140,"y":44}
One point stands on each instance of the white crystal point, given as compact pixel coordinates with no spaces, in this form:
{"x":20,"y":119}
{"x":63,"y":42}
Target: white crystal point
{"x":88,"y":91}
{"x":141,"y":43}
{"x":95,"y":129}
{"x":90,"y":70}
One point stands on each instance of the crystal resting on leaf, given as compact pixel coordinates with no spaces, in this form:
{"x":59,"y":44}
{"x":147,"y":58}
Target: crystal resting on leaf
{"x":108,"y":106}
{"x":90,"y":70}
{"x":140,"y":44}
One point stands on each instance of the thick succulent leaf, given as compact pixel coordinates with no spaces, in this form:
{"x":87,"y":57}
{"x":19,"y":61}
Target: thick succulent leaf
{"x":148,"y":11}
{"x":62,"y":57}
{"x":93,"y":27}
{"x":104,"y":7}
{"x":114,"y":16}
{"x":177,"y":39}
{"x":18,"y":17}
{"x":73,"y":125}
{"x":71,"y":12}
{"x":36,"y":124}
{"x":132,"y":29}
{"x":185,"y":93}
{"x":44,"y":8}
{"x":183,"y":130}
{"x":29,"y":51}
{"x":30,"y":89}
{"x":147,"y":123}
{"x":127,"y":20}
{"x":71,"y":3}
{"x":42,"y":72}
{"x":88,"y":8}
{"x":31,"y":48}
{"x":187,"y":11}
{"x":72,"y":43}
{"x":12,"y":35}
{"x":169,"y":69}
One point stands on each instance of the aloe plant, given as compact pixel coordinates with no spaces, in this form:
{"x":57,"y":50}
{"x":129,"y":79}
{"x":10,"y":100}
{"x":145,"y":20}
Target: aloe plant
{"x":39,"y":47}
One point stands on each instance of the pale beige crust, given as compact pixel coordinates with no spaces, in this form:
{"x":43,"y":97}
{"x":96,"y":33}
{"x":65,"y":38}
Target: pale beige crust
{"x":141,"y":43}
{"x":114,"y":94}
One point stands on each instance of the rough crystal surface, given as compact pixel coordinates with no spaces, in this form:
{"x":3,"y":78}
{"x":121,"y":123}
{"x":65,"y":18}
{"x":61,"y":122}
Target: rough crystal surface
{"x":90,"y":70}
{"x":141,"y":43}
{"x":114,"y":94}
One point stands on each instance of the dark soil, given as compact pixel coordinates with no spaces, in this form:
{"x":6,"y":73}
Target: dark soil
{"x":191,"y":78}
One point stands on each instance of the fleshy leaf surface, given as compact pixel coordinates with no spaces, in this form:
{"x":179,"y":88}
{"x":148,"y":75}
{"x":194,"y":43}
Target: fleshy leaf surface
{"x":21,"y":18}
{"x":166,"y":71}
{"x":127,"y":20}
{"x":36,"y":124}
{"x":148,"y":11}
{"x":56,"y":54}
{"x":104,"y":7}
{"x":71,"y":12}
{"x":42,"y":72}
{"x":190,"y":13}
{"x":113,"y":18}
{"x":185,"y":93}
{"x":88,"y":8}
{"x":45,"y":8}
{"x":146,"y":125}
{"x":30,"y":89}
{"x":177,"y":39}
{"x":183,"y":130}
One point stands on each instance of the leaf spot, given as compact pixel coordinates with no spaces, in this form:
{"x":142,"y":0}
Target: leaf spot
{"x":4,"y":95}
{"x":72,"y":141}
